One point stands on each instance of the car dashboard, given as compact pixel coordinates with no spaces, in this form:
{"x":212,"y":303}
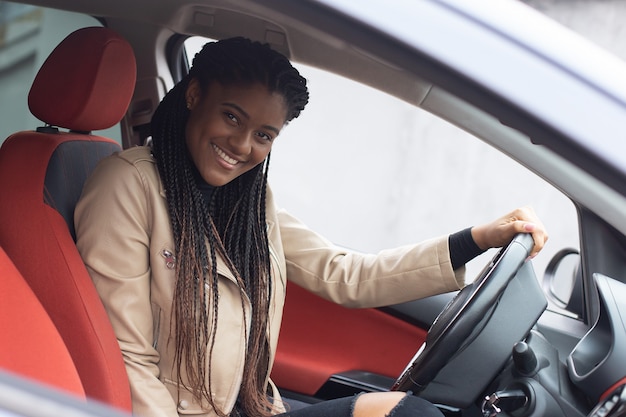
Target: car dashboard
{"x":494,"y":374}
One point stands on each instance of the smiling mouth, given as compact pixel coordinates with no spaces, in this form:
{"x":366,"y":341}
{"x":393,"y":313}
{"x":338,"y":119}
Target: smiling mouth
{"x":225,"y":157}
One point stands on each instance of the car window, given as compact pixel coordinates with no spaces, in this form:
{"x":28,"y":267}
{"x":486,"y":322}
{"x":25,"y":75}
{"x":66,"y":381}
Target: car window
{"x":27,"y":36}
{"x":369,"y":171}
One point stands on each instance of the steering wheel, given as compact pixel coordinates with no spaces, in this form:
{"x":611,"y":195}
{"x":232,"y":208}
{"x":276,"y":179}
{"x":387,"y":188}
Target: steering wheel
{"x":454,"y":325}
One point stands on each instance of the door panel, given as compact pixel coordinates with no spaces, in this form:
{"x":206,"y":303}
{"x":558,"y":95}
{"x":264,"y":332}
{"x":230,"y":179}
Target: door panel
{"x":319,"y":339}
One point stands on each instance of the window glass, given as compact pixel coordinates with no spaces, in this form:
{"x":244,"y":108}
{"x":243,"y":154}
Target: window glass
{"x":27,"y":36}
{"x":369,"y":171}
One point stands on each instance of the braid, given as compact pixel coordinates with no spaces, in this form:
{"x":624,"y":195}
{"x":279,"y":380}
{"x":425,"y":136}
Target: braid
{"x":232,"y":226}
{"x":186,"y":207}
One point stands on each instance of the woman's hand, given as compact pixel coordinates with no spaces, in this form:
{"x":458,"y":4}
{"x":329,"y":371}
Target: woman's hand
{"x":500,"y":232}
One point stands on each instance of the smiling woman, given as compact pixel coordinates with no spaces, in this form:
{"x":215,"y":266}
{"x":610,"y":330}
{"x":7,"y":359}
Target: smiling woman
{"x":229,"y":249}
{"x":201,"y":269}
{"x":231,"y":128}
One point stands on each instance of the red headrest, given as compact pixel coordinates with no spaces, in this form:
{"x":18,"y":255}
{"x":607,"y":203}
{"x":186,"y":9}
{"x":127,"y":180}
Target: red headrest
{"x":87,"y":81}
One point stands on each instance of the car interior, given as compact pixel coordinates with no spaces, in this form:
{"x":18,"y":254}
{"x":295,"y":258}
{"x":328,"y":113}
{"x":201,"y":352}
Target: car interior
{"x":54,"y":164}
{"x":507,"y":344}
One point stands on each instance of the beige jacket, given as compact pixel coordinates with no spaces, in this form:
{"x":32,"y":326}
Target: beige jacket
{"x":125,"y":238}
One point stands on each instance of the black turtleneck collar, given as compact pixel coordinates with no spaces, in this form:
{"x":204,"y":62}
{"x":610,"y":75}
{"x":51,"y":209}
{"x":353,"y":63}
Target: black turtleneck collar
{"x":205,"y":188}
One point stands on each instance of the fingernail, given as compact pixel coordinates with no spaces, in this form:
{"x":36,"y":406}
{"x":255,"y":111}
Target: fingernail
{"x":529,"y":227}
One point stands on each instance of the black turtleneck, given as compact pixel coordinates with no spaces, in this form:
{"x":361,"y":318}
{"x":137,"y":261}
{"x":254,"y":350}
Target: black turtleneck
{"x":462,"y":248}
{"x":205,"y":188}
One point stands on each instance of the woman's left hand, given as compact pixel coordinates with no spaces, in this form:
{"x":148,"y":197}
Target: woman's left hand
{"x":500,"y":232}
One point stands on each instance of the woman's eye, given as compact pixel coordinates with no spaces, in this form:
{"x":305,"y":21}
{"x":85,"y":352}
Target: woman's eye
{"x":265,"y":136}
{"x":232,"y":118}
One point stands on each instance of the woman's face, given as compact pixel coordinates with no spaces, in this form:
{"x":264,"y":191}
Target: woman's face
{"x":231,"y":128}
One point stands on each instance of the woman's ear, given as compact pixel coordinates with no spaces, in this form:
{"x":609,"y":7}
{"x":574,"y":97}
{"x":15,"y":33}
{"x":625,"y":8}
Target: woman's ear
{"x":192,"y":95}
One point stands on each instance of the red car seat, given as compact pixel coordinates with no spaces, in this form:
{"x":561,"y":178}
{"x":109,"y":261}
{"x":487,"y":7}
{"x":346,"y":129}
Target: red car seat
{"x":31,"y":345}
{"x":85,"y":84}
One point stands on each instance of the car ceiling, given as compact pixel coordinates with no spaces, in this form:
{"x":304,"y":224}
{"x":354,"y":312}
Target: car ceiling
{"x":256,"y":20}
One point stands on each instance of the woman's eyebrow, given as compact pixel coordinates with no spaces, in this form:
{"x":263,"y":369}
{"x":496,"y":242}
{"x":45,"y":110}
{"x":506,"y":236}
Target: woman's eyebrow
{"x":238,"y":108}
{"x":247,"y":116}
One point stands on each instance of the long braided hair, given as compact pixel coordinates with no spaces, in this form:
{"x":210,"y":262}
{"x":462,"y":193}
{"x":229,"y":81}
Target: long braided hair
{"x":233,"y":222}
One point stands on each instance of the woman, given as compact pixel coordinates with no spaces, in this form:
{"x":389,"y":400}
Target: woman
{"x":191,"y":257}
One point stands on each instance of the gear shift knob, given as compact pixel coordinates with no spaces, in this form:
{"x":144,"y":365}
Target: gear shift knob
{"x":524,"y":359}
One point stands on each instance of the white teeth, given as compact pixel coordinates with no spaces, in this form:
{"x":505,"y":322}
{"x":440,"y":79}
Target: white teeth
{"x":224,"y":156}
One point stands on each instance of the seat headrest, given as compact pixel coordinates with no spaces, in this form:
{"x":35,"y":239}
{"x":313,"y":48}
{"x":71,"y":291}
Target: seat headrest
{"x":87,"y":81}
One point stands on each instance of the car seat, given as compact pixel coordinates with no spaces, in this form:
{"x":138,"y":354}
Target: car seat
{"x":85,"y":84}
{"x":31,"y":345}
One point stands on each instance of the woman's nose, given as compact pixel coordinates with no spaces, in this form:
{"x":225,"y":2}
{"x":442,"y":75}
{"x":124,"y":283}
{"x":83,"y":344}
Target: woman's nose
{"x":241,"y":143}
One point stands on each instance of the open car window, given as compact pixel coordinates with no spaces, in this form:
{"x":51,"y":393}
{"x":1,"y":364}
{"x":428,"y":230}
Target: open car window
{"x":370,"y":171}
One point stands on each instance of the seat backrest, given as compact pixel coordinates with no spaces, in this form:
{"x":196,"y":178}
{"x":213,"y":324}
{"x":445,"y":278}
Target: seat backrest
{"x":31,"y":345}
{"x":85,"y":84}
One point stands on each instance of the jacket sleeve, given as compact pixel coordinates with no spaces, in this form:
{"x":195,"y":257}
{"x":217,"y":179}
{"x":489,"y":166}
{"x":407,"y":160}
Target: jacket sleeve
{"x":113,"y":237}
{"x":366,"y":280}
